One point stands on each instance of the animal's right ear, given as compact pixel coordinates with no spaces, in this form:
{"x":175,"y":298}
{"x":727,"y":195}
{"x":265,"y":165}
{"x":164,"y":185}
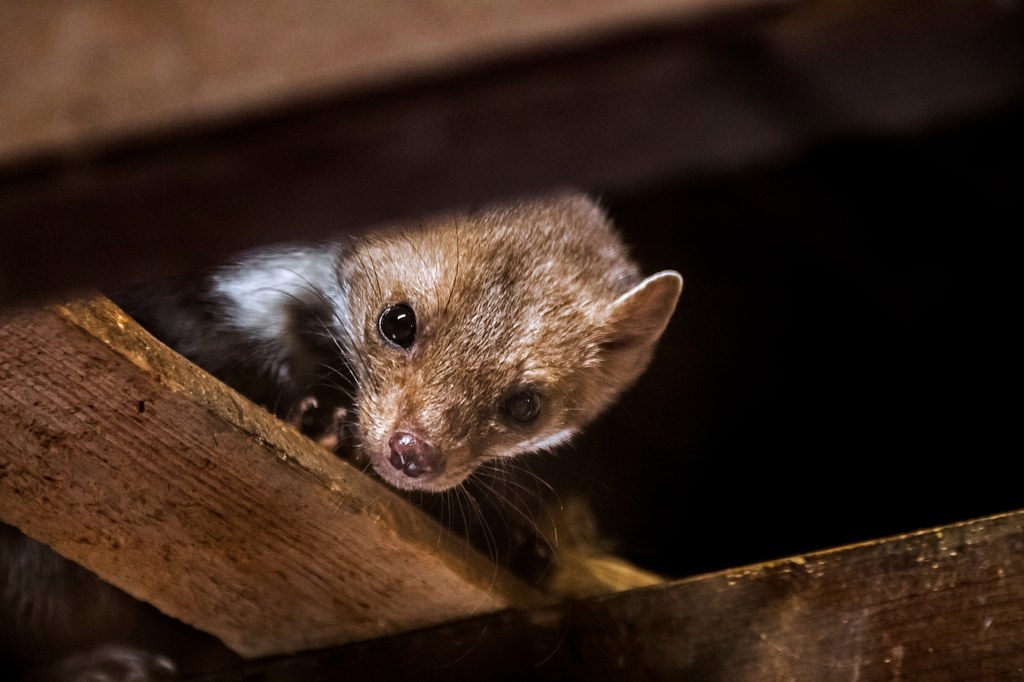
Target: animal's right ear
{"x":636,"y":321}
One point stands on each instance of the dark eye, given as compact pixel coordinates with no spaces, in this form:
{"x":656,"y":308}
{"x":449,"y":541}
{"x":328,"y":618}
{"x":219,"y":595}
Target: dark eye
{"x":522,"y":406}
{"x":397,"y":324}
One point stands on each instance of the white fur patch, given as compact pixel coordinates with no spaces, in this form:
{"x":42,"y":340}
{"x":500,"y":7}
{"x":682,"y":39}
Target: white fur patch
{"x":547,"y":442}
{"x":261,"y":285}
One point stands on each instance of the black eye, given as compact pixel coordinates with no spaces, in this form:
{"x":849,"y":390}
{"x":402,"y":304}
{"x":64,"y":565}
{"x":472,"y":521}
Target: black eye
{"x":522,"y":406}
{"x":397,"y":324}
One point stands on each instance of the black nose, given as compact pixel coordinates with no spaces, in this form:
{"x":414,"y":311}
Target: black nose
{"x":413,"y":456}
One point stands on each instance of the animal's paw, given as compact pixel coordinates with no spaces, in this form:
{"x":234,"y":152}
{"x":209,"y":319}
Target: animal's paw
{"x":113,"y":663}
{"x":320,"y":420}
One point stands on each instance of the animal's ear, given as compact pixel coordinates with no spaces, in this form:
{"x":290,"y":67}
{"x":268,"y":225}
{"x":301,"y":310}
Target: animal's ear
{"x":636,"y":321}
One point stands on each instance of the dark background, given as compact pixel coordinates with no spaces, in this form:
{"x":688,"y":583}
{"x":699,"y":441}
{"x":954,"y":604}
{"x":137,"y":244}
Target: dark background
{"x":843,"y":364}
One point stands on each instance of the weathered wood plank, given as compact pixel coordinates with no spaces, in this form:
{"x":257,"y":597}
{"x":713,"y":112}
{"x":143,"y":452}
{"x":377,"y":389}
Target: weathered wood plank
{"x":125,"y":458}
{"x":633,"y":106}
{"x":942,"y":604}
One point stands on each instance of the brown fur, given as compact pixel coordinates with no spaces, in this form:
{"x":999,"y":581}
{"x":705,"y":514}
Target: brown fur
{"x":537,"y":294}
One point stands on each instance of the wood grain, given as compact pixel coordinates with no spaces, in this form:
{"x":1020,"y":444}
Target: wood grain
{"x":124,"y":457}
{"x":945,"y":604}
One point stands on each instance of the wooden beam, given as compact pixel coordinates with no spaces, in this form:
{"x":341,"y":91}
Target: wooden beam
{"x":81,"y":74}
{"x":127,"y":459}
{"x":943,"y":604}
{"x":656,"y":93}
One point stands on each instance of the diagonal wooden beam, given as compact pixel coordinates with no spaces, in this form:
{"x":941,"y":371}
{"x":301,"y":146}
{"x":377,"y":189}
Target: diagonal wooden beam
{"x":129,"y":460}
{"x":941,"y":604}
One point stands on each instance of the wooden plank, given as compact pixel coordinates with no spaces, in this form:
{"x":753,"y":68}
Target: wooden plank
{"x":76,"y":74}
{"x":942,"y":604}
{"x":127,"y":459}
{"x":630,"y":107}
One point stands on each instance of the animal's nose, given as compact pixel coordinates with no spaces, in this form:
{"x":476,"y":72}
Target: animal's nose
{"x":414,"y":456}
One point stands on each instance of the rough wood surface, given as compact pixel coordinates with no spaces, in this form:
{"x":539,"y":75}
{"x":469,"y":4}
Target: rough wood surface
{"x":943,"y":604}
{"x":125,"y":458}
{"x":640,"y":101}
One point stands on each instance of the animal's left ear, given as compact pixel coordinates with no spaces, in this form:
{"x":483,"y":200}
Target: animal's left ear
{"x":637,"y":319}
{"x":639,"y":316}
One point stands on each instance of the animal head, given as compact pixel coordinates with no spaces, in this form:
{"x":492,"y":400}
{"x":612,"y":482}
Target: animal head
{"x":482,"y":336}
